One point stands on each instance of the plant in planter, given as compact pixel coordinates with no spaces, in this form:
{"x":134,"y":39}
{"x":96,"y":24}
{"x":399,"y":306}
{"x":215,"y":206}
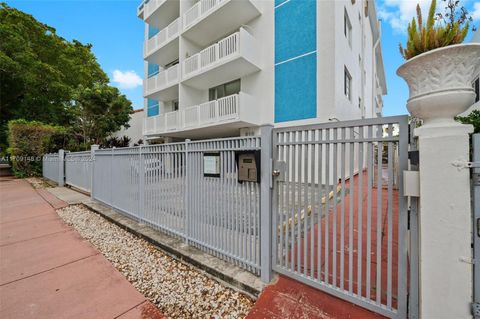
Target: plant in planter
{"x":439,"y":68}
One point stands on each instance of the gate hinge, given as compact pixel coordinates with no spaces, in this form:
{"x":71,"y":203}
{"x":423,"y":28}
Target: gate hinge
{"x":476,"y":309}
{"x":465,"y":164}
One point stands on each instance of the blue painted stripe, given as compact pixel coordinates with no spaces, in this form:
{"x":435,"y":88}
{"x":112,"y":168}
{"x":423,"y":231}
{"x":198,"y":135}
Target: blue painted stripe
{"x":296,"y":89}
{"x":295,"y":60}
{"x":295,"y":29}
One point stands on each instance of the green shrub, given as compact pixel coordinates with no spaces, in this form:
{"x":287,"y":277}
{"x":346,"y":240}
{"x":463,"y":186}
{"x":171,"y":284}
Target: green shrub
{"x":29,"y":141}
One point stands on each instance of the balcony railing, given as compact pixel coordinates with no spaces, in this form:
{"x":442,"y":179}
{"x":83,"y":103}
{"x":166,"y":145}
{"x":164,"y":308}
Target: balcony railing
{"x":218,"y":111}
{"x":163,"y":37}
{"x":150,"y":7}
{"x":198,"y":11}
{"x":211,"y":55}
{"x":162,"y":80}
{"x":141,"y":7}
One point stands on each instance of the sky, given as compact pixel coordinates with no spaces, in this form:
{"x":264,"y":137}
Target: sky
{"x":116,"y":34}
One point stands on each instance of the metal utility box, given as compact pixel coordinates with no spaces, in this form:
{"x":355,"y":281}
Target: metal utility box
{"x":248,"y":164}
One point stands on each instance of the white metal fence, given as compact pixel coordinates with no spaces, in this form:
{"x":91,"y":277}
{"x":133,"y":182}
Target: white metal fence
{"x":165,"y":187}
{"x":78,"y":170}
{"x":338,"y":220}
{"x":50,"y":167}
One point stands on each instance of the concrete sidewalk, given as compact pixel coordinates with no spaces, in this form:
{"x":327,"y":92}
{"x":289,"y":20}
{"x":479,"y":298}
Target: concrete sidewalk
{"x":48,"y":271}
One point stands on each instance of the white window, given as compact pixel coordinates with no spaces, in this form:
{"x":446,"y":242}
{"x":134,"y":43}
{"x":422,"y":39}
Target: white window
{"x":347,"y":27}
{"x":347,"y":84}
{"x":223,"y":90}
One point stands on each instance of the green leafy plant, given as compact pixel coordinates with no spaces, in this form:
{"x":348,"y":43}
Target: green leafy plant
{"x":473,"y":118}
{"x":440,"y":29}
{"x":29,"y":141}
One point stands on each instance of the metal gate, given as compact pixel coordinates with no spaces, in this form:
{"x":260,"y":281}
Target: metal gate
{"x":339,"y":214}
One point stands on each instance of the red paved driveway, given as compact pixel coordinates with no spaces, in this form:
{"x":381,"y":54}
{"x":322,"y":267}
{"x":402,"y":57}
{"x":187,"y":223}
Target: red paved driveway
{"x":48,"y":271}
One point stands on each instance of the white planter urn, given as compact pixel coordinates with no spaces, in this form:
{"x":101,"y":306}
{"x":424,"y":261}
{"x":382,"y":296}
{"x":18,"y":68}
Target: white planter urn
{"x":440,"y":82}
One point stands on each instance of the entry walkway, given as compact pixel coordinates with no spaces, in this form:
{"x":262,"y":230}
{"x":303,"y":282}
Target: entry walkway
{"x":48,"y":271}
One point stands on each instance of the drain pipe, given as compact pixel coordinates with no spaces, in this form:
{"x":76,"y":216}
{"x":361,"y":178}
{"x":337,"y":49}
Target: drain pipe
{"x":374,"y":67}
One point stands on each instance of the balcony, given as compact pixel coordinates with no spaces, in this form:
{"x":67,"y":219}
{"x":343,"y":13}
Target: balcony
{"x":231,"y":58}
{"x":163,"y":85}
{"x":222,"y":116}
{"x":158,"y":12}
{"x":212,"y":19}
{"x":141,"y":9}
{"x":163,"y":47}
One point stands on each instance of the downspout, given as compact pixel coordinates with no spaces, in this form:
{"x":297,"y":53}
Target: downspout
{"x":362,"y":71}
{"x":374,"y":67}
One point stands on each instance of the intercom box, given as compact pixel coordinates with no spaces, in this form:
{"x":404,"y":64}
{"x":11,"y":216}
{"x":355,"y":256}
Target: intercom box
{"x":248,"y":166}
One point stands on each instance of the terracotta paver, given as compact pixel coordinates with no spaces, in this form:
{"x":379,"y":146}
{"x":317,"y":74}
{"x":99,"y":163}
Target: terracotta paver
{"x":22,"y":259}
{"x":48,"y":271}
{"x":35,"y":227}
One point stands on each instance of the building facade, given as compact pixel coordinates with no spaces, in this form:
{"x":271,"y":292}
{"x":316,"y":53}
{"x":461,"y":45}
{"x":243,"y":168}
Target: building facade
{"x":135,"y":130}
{"x":218,"y":68}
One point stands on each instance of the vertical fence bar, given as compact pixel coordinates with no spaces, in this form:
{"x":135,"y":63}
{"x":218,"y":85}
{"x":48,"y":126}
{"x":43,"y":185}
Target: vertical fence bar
{"x":141,"y":185}
{"x":379,"y":217}
{"x":320,"y":203}
{"x":351,"y":175}
{"x":342,"y":211}
{"x":369,"y":211}
{"x":188,"y":199}
{"x":328,"y":137}
{"x":361,"y":147}
{"x":389,"y":219}
{"x":265,"y":204}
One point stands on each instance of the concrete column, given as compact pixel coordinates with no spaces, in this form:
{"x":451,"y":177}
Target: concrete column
{"x":266,"y":203}
{"x":61,"y":168}
{"x":445,"y":222}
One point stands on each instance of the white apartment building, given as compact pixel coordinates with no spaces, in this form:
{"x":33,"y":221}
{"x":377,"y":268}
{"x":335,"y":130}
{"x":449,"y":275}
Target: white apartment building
{"x":218,"y":68}
{"x":135,"y":130}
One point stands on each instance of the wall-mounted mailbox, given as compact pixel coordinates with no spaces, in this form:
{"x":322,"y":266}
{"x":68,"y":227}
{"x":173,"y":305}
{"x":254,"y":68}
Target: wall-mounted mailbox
{"x":248,"y":164}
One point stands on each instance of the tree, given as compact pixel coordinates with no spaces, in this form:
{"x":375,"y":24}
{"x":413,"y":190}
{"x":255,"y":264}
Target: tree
{"x":100,"y":111}
{"x":40,"y":72}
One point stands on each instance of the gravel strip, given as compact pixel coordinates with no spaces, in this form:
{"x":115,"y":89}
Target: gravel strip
{"x":179,"y":290}
{"x":37,"y":182}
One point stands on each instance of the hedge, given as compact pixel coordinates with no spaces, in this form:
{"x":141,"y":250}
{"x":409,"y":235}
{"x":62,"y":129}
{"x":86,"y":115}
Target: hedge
{"x":29,"y":141}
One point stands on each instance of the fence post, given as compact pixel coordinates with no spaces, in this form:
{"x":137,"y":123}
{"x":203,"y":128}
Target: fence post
{"x":141,"y":184}
{"x":445,"y":222}
{"x":266,"y":203}
{"x":61,"y":168}
{"x":93,"y":148}
{"x":187,"y":196}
